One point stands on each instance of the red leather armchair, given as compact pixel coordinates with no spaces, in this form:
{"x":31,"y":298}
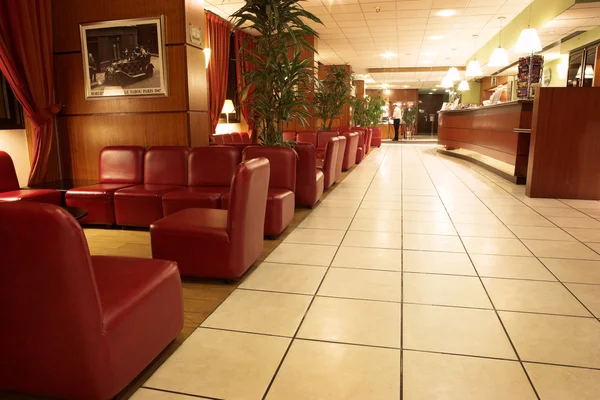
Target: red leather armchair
{"x":322,"y":140}
{"x":368,"y":137}
{"x":307,"y":137}
{"x":9,"y":186}
{"x":246,"y":137}
{"x":350,"y":150}
{"x":376,"y":140}
{"x":165,"y":170}
{"x":236,"y":137}
{"x":282,"y":184}
{"x":77,"y":326}
{"x":210,"y":171}
{"x":289,"y":136}
{"x":309,"y":180}
{"x":219,"y":139}
{"x":227,"y":138}
{"x":329,"y":163}
{"x":360,"y":150}
{"x":218,"y":243}
{"x":340,"y":158}
{"x":120,"y":167}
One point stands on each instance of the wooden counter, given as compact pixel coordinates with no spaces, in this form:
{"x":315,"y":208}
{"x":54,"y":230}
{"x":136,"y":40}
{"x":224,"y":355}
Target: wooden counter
{"x":499,"y":131}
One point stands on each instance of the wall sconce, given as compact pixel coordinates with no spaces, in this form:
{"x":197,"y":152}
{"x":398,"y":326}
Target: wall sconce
{"x":206,"y":56}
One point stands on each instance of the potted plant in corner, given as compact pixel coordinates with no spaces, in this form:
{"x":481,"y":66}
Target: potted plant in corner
{"x":279,"y":78}
{"x":332,"y":94}
{"x":409,"y":117}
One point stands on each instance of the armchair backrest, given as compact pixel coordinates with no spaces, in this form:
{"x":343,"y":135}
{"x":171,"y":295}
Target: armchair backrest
{"x":289,"y":135}
{"x":51,"y":312}
{"x":282,"y":163}
{"x":245,"y":137}
{"x":8,"y":175}
{"x":227,"y":138}
{"x":236,"y":137}
{"x":122,"y":164}
{"x":350,"y":150}
{"x":340,"y":157}
{"x":218,"y":139}
{"x":166,"y":165}
{"x":212,"y":166}
{"x":307,"y":137}
{"x":323,"y":138}
{"x":330,"y":161}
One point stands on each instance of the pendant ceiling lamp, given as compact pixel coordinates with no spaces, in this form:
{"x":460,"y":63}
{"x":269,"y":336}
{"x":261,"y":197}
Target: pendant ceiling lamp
{"x":474,"y":67}
{"x":453,"y":74}
{"x":529,"y":41}
{"x":499,"y":56}
{"x":447,"y":82}
{"x":463,"y":86}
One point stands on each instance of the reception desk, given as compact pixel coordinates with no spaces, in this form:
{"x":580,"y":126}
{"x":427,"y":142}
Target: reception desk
{"x":500,"y":131}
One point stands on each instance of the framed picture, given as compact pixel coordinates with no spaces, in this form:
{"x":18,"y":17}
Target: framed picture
{"x":124,"y":58}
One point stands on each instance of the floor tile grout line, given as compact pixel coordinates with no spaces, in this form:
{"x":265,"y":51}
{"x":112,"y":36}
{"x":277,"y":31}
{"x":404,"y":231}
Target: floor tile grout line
{"x":402,"y":169}
{"x":481,"y":281}
{"x":534,"y":255}
{"x":180,"y":393}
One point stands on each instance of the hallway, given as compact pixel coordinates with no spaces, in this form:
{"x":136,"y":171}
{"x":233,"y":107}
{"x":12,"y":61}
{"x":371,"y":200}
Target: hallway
{"x":419,"y":277}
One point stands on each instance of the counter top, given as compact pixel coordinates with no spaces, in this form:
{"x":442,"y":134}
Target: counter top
{"x":490,"y":107}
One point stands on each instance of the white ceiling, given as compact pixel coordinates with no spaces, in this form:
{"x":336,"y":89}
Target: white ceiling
{"x":355,"y":33}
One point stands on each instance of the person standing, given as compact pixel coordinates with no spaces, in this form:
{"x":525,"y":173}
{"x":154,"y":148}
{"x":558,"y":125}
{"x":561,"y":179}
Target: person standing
{"x":92,"y":67}
{"x":397,"y":116}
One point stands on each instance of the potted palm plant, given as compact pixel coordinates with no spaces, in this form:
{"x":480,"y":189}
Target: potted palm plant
{"x":332,"y":94}
{"x":409,"y":117}
{"x":280,"y":79}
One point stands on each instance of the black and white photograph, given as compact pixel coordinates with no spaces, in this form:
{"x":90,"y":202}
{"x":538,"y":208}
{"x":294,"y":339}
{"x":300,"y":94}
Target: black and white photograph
{"x":124,"y":58}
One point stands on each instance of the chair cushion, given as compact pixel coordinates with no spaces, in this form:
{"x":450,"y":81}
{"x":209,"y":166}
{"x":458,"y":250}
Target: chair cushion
{"x":141,"y":205}
{"x":97,"y":200}
{"x":196,"y":222}
{"x":147,"y":190}
{"x":38,"y":195}
{"x":99,"y":189}
{"x":193,"y":197}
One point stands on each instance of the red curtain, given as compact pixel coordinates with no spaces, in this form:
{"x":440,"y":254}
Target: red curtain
{"x":26,"y":63}
{"x":218,"y":33}
{"x":241,"y":68}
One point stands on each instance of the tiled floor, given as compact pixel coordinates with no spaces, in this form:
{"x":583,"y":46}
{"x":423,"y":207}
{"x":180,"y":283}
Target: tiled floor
{"x":418,"y":277}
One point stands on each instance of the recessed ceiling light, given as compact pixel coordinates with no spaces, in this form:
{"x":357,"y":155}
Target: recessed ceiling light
{"x":405,"y":86}
{"x":430,"y":93}
{"x":429,"y":54}
{"x":387,"y":55}
{"x":445,"y":13}
{"x":435,"y":37}
{"x":384,"y":86}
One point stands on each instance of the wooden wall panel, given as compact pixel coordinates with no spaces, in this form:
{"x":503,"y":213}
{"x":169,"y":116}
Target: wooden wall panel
{"x":82,"y":137}
{"x":68,"y":14}
{"x":194,"y":15}
{"x":198,"y":128}
{"x":564,"y":155}
{"x":196,"y":79}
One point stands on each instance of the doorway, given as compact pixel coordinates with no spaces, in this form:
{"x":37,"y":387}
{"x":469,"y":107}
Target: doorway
{"x":429,"y":105}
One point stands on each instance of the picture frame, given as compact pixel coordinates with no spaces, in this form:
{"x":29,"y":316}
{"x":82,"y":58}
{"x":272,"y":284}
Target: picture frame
{"x":124,"y":58}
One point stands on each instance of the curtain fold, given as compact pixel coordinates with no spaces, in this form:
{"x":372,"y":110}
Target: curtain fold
{"x":242,"y":67}
{"x":218,"y":33}
{"x":26,"y":63}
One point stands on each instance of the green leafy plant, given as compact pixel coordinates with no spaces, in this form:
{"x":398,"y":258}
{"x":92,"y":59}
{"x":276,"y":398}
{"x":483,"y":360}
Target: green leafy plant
{"x":374,"y":110}
{"x":332,"y":93}
{"x":359,"y":110}
{"x":409,"y":116}
{"x":279,"y":79}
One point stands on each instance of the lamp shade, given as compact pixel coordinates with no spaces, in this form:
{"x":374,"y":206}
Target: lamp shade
{"x":529,"y":42}
{"x":447,"y":82}
{"x":453,"y":74}
{"x":473,"y":69}
{"x":463,"y":86}
{"x":228,"y":107}
{"x":499,"y":58}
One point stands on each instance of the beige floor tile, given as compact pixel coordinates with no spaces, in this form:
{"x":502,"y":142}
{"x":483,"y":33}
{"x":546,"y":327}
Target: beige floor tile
{"x":511,"y":267}
{"x":542,"y":202}
{"x":428,"y":228}
{"x":221,"y":364}
{"x":481,"y":230}
{"x":419,"y":193}
{"x":315,"y":236}
{"x":437,"y":262}
{"x":326,"y":223}
{"x":333,"y":212}
{"x":360,"y":257}
{"x":569,"y":222}
{"x":533,"y":296}
{"x":585,"y":235}
{"x":152,"y":394}
{"x":413,"y":241}
{"x":365,"y":322}
{"x":576,"y":271}
{"x":582,"y":204}
{"x":286,"y":278}
{"x":353,"y":204}
{"x":559,"y":212}
{"x":376,"y":225}
{"x":594,"y":246}
{"x":469,"y":218}
{"x":381,"y":205}
{"x":430,"y":376}
{"x":446,"y":290}
{"x":332,"y":371}
{"x":424,"y":207}
{"x":306,"y":254}
{"x":475,"y":208}
{"x":558,"y":383}
{"x":455,"y":330}
{"x":495,"y":246}
{"x":362,"y":284}
{"x":411,"y":215}
{"x":379,"y":214}
{"x":541,"y":233}
{"x":555,"y":249}
{"x":524,"y":220}
{"x":589,"y":295}
{"x":554,"y":339}
{"x":383,"y":240}
{"x":409,"y":198}
{"x":260,"y":312}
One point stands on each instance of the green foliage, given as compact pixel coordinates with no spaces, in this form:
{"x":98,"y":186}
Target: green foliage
{"x":409,"y":116}
{"x":359,"y":110}
{"x":279,"y":79}
{"x":367,"y":111}
{"x":332,"y":93}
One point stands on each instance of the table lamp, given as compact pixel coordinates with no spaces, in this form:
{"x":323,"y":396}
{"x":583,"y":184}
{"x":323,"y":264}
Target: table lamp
{"x":228,"y":108}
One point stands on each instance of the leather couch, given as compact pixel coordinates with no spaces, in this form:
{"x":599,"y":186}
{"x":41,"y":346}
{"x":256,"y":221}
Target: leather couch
{"x":218,"y":243}
{"x":165,"y":170}
{"x":246,"y":137}
{"x":289,"y":136}
{"x":351,"y":149}
{"x":9,"y":186}
{"x":120,"y":167}
{"x":340,"y":158}
{"x":309,"y":180}
{"x":282,"y":184}
{"x":77,"y":326}
{"x":307,"y":137}
{"x":236,"y":137}
{"x":210,"y":171}
{"x":322,"y":140}
{"x":360,"y":150}
{"x":329,"y":163}
{"x":376,"y":140}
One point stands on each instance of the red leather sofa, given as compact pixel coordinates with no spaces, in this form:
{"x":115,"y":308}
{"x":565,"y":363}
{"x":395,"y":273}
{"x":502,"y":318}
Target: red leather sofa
{"x":218,"y":243}
{"x":376,"y":140}
{"x":77,"y":326}
{"x":165,"y":170}
{"x":360,"y":150}
{"x":120,"y":167}
{"x":351,"y":149}
{"x":282,"y":184}
{"x":9,"y":186}
{"x":210,"y":171}
{"x":236,"y":137}
{"x":322,"y":140}
{"x":307,"y":137}
{"x":340,"y":158}
{"x":245,"y":137}
{"x":309,"y":180}
{"x":289,"y":136}
{"x":368,"y":138}
{"x":329,"y":163}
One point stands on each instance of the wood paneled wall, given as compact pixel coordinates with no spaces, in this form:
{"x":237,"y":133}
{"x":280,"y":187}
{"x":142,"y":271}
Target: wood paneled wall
{"x":564,"y":155}
{"x":86,"y":126}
